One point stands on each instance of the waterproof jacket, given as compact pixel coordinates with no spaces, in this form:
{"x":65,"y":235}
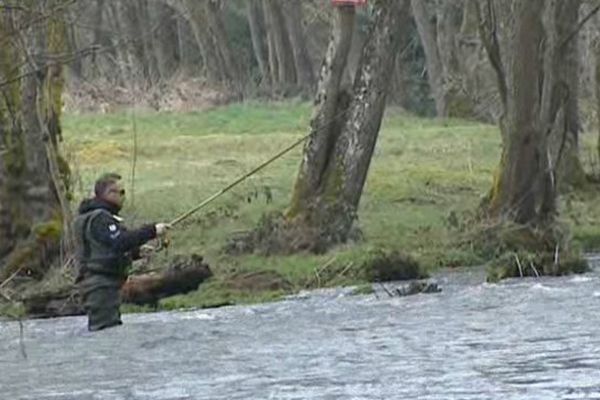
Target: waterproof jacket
{"x":104,"y":245}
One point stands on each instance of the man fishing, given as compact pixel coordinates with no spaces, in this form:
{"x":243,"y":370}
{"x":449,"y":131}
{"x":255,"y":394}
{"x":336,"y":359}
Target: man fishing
{"x":105,"y":250}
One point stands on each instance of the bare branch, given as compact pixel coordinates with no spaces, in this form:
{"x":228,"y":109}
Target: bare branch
{"x":34,"y":21}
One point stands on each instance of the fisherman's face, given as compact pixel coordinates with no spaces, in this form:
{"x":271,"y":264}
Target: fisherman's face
{"x":115,"y":194}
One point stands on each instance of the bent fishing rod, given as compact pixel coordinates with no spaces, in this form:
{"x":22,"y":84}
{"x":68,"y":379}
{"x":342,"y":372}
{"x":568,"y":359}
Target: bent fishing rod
{"x":182,"y":217}
{"x":236,"y":182}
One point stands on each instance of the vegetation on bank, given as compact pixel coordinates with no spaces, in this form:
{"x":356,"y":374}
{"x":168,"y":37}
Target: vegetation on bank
{"x":426,"y":181}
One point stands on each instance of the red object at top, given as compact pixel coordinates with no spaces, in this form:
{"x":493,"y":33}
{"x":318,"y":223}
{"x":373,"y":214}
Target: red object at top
{"x":348,"y":2}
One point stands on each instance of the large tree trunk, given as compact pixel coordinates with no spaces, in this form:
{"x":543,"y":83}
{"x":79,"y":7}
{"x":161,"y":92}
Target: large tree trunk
{"x":33,"y":209}
{"x":538,"y":113}
{"x":569,"y":170}
{"x":525,"y":191}
{"x":328,"y":110}
{"x":344,"y":129}
{"x":535,"y":88}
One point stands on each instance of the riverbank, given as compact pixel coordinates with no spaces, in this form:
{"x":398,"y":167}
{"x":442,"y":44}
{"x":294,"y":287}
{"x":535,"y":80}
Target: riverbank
{"x":426,"y":179}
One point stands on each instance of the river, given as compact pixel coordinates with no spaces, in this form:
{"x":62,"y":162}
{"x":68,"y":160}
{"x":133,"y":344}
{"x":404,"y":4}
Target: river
{"x":520,"y":339}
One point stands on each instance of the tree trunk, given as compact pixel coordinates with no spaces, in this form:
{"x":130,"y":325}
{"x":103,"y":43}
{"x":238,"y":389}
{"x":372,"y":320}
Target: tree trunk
{"x":153,"y":29}
{"x":400,"y":83}
{"x":304,"y":67}
{"x":324,"y":125}
{"x":537,"y":114}
{"x":123,"y":54}
{"x":344,"y":129}
{"x":194,"y":13}
{"x":206,"y":22}
{"x":76,"y":66}
{"x":279,"y":44}
{"x":98,"y":37}
{"x":597,"y":91}
{"x":33,"y":209}
{"x":476,"y":74}
{"x":449,"y":59}
{"x":220,"y":43}
{"x":569,"y":169}
{"x":165,"y":39}
{"x":427,"y":28}
{"x":257,"y":31}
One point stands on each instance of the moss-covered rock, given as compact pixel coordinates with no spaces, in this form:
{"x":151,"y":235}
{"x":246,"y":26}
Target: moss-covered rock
{"x":49,"y":231}
{"x":529,"y":264}
{"x":390,"y":265}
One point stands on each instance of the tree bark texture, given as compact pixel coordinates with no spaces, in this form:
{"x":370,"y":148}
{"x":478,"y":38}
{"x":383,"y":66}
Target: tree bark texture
{"x":304,"y":68}
{"x":279,"y":44}
{"x":258,"y":32}
{"x":33,"y":209}
{"x":537,"y":118}
{"x":345,"y":125}
{"x":427,"y":27}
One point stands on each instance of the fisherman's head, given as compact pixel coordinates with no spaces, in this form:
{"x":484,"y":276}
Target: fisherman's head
{"x":109,"y":189}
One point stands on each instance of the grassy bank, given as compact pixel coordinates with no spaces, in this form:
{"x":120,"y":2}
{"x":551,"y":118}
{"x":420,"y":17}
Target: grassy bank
{"x":425,"y":176}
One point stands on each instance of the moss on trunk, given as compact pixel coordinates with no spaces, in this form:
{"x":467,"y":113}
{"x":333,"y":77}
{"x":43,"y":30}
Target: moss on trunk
{"x":29,"y":106}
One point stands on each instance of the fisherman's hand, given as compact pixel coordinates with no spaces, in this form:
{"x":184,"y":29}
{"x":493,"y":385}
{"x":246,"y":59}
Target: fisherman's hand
{"x":162,"y":228}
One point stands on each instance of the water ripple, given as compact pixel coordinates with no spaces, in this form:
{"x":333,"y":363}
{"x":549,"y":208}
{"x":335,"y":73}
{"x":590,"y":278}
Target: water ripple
{"x":521,"y":339}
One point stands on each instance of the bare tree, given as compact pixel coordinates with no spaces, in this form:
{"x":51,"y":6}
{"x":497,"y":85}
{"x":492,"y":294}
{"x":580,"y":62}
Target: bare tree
{"x":536,"y":89}
{"x":343,"y":132}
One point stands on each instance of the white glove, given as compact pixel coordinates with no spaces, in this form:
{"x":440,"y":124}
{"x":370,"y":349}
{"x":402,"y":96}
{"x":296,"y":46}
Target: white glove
{"x":162,"y":228}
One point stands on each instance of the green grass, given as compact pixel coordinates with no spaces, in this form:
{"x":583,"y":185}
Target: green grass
{"x":423,"y":172}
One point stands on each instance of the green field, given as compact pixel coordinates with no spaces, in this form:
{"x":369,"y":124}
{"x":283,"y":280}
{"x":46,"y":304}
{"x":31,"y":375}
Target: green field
{"x":426,"y":175}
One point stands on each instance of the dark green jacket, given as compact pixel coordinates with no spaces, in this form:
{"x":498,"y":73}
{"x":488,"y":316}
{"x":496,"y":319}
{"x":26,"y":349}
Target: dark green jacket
{"x":104,"y":246}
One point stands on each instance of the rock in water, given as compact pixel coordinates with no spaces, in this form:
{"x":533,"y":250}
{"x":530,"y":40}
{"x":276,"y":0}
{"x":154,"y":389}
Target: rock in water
{"x":416,"y":287}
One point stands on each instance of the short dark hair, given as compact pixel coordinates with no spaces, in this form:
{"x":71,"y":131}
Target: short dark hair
{"x":104,"y":181}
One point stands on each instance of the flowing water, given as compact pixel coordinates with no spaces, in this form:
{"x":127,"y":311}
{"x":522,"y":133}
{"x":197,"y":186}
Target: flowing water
{"x":521,"y":339}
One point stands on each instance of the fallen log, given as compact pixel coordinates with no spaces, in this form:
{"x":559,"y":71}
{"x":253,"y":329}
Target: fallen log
{"x":184,"y":274}
{"x":60,"y":302}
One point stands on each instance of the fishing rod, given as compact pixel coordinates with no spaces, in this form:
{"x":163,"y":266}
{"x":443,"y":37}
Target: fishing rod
{"x":182,"y":217}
